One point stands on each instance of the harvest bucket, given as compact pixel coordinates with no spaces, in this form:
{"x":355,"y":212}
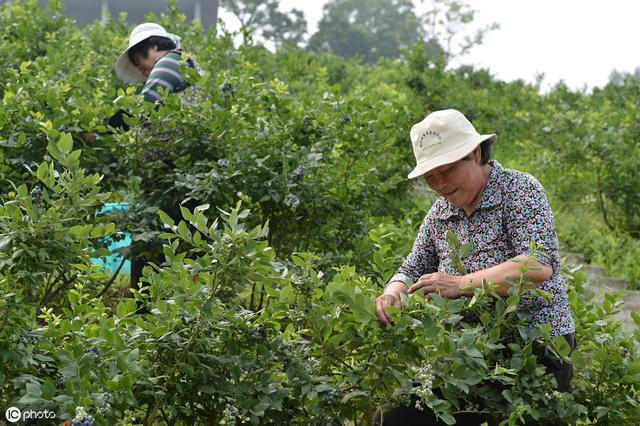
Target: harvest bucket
{"x":112,"y":263}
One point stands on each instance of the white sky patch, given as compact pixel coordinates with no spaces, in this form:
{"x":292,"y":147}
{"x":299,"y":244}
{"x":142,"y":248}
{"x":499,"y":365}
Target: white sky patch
{"x":577,"y":41}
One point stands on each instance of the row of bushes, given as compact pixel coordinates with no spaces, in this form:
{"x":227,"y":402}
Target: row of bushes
{"x":234,"y":334}
{"x":260,"y":116}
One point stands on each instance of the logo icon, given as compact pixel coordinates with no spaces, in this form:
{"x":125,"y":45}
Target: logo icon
{"x":13,"y":414}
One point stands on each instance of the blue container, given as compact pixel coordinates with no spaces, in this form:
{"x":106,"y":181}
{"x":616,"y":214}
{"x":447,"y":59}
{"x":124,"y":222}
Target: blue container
{"x":113,"y":262}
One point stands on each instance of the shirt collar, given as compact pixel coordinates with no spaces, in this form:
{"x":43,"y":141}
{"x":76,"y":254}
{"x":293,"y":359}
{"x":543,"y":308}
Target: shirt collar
{"x":491,"y":197}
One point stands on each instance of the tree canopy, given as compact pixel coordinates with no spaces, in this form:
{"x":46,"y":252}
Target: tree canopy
{"x":268,"y":21}
{"x":383,"y":28}
{"x":371,"y":29}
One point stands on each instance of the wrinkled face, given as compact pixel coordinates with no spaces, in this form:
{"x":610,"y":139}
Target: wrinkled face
{"x":145,"y":65}
{"x":461,"y":183}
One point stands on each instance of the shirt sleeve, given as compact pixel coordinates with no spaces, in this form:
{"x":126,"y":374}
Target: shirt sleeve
{"x":422,"y":259}
{"x":164,"y":75}
{"x":529,"y":219}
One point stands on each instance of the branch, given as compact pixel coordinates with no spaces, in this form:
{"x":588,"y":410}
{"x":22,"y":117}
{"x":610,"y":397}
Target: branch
{"x":113,"y":278}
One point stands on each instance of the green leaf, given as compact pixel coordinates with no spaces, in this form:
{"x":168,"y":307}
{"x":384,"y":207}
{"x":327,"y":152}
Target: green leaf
{"x":447,"y":418}
{"x":166,"y":219}
{"x":77,"y":230}
{"x":125,"y":307}
{"x":473,"y":352}
{"x":183,"y":231}
{"x":5,"y":243}
{"x":466,"y":249}
{"x":65,"y":143}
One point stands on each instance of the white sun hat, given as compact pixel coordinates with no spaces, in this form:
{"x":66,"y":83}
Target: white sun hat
{"x":124,"y":68}
{"x":443,"y":137}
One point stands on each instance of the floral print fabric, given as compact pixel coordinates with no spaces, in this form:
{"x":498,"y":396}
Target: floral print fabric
{"x":512,"y":213}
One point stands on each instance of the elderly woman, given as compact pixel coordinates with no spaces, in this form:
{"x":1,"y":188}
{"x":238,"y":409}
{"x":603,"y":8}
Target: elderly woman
{"x":500,"y":211}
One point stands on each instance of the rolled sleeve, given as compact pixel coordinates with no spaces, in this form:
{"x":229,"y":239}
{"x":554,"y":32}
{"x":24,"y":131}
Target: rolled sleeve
{"x":422,"y":259}
{"x":530,"y":220}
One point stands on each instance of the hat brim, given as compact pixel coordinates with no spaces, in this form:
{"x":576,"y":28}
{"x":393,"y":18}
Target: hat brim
{"x":126,"y":71}
{"x":450,"y":156}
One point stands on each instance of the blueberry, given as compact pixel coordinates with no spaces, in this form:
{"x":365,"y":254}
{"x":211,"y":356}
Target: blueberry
{"x":331,"y":397}
{"x":94,"y":350}
{"x":155,"y":154}
{"x":228,"y":88}
{"x":223,"y":163}
{"x":298,"y":173}
{"x":346,"y":118}
{"x":233,"y":410}
{"x":60,"y":383}
{"x":292,"y":201}
{"x":36,"y":194}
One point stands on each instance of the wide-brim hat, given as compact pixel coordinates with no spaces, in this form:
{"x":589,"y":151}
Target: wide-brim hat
{"x":124,"y":68}
{"x":443,"y":137}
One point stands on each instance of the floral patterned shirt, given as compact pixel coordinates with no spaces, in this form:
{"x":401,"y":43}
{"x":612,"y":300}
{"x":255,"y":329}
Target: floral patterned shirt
{"x":512,"y":213}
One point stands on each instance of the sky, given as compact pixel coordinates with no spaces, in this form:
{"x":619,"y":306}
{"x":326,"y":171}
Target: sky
{"x":577,"y":41}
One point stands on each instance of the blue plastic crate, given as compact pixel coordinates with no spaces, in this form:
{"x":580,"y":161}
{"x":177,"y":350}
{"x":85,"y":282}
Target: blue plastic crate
{"x":113,"y":262}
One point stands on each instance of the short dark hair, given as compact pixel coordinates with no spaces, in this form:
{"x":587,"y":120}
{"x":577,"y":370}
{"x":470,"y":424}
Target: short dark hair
{"x":485,"y":152}
{"x":142,"y":48}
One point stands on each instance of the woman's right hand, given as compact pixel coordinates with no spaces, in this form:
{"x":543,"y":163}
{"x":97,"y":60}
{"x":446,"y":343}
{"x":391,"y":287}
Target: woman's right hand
{"x":384,"y":301}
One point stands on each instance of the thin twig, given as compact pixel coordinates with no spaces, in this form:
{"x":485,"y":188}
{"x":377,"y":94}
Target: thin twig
{"x":113,"y":278}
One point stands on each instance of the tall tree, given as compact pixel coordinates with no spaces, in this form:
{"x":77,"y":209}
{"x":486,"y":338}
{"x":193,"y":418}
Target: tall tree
{"x":368,"y":28}
{"x":266,"y":19}
{"x":382,"y":28}
{"x":448,"y":22}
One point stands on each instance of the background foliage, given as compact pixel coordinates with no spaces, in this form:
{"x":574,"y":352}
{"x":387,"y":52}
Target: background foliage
{"x":292,"y":166}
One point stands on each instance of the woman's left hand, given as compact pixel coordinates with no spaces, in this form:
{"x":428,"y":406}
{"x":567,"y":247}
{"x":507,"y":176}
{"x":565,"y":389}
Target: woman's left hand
{"x":439,"y":283}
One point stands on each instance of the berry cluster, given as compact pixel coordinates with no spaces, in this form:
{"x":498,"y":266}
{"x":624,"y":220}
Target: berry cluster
{"x":228,"y":89}
{"x":424,"y":392}
{"x":229,"y":415}
{"x":298,"y":173}
{"x":82,"y":418}
{"x":331,"y":397}
{"x":106,"y":406}
{"x":291,"y":201}
{"x":36,"y":195}
{"x":85,"y":421}
{"x":155,"y":154}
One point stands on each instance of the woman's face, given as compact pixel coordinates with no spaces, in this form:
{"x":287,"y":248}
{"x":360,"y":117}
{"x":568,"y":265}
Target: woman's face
{"x":145,"y":65}
{"x":461,"y":183}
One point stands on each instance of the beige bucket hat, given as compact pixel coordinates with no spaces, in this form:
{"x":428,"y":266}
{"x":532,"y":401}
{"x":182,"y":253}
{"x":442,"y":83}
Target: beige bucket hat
{"x":443,"y":137}
{"x":124,"y":68}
